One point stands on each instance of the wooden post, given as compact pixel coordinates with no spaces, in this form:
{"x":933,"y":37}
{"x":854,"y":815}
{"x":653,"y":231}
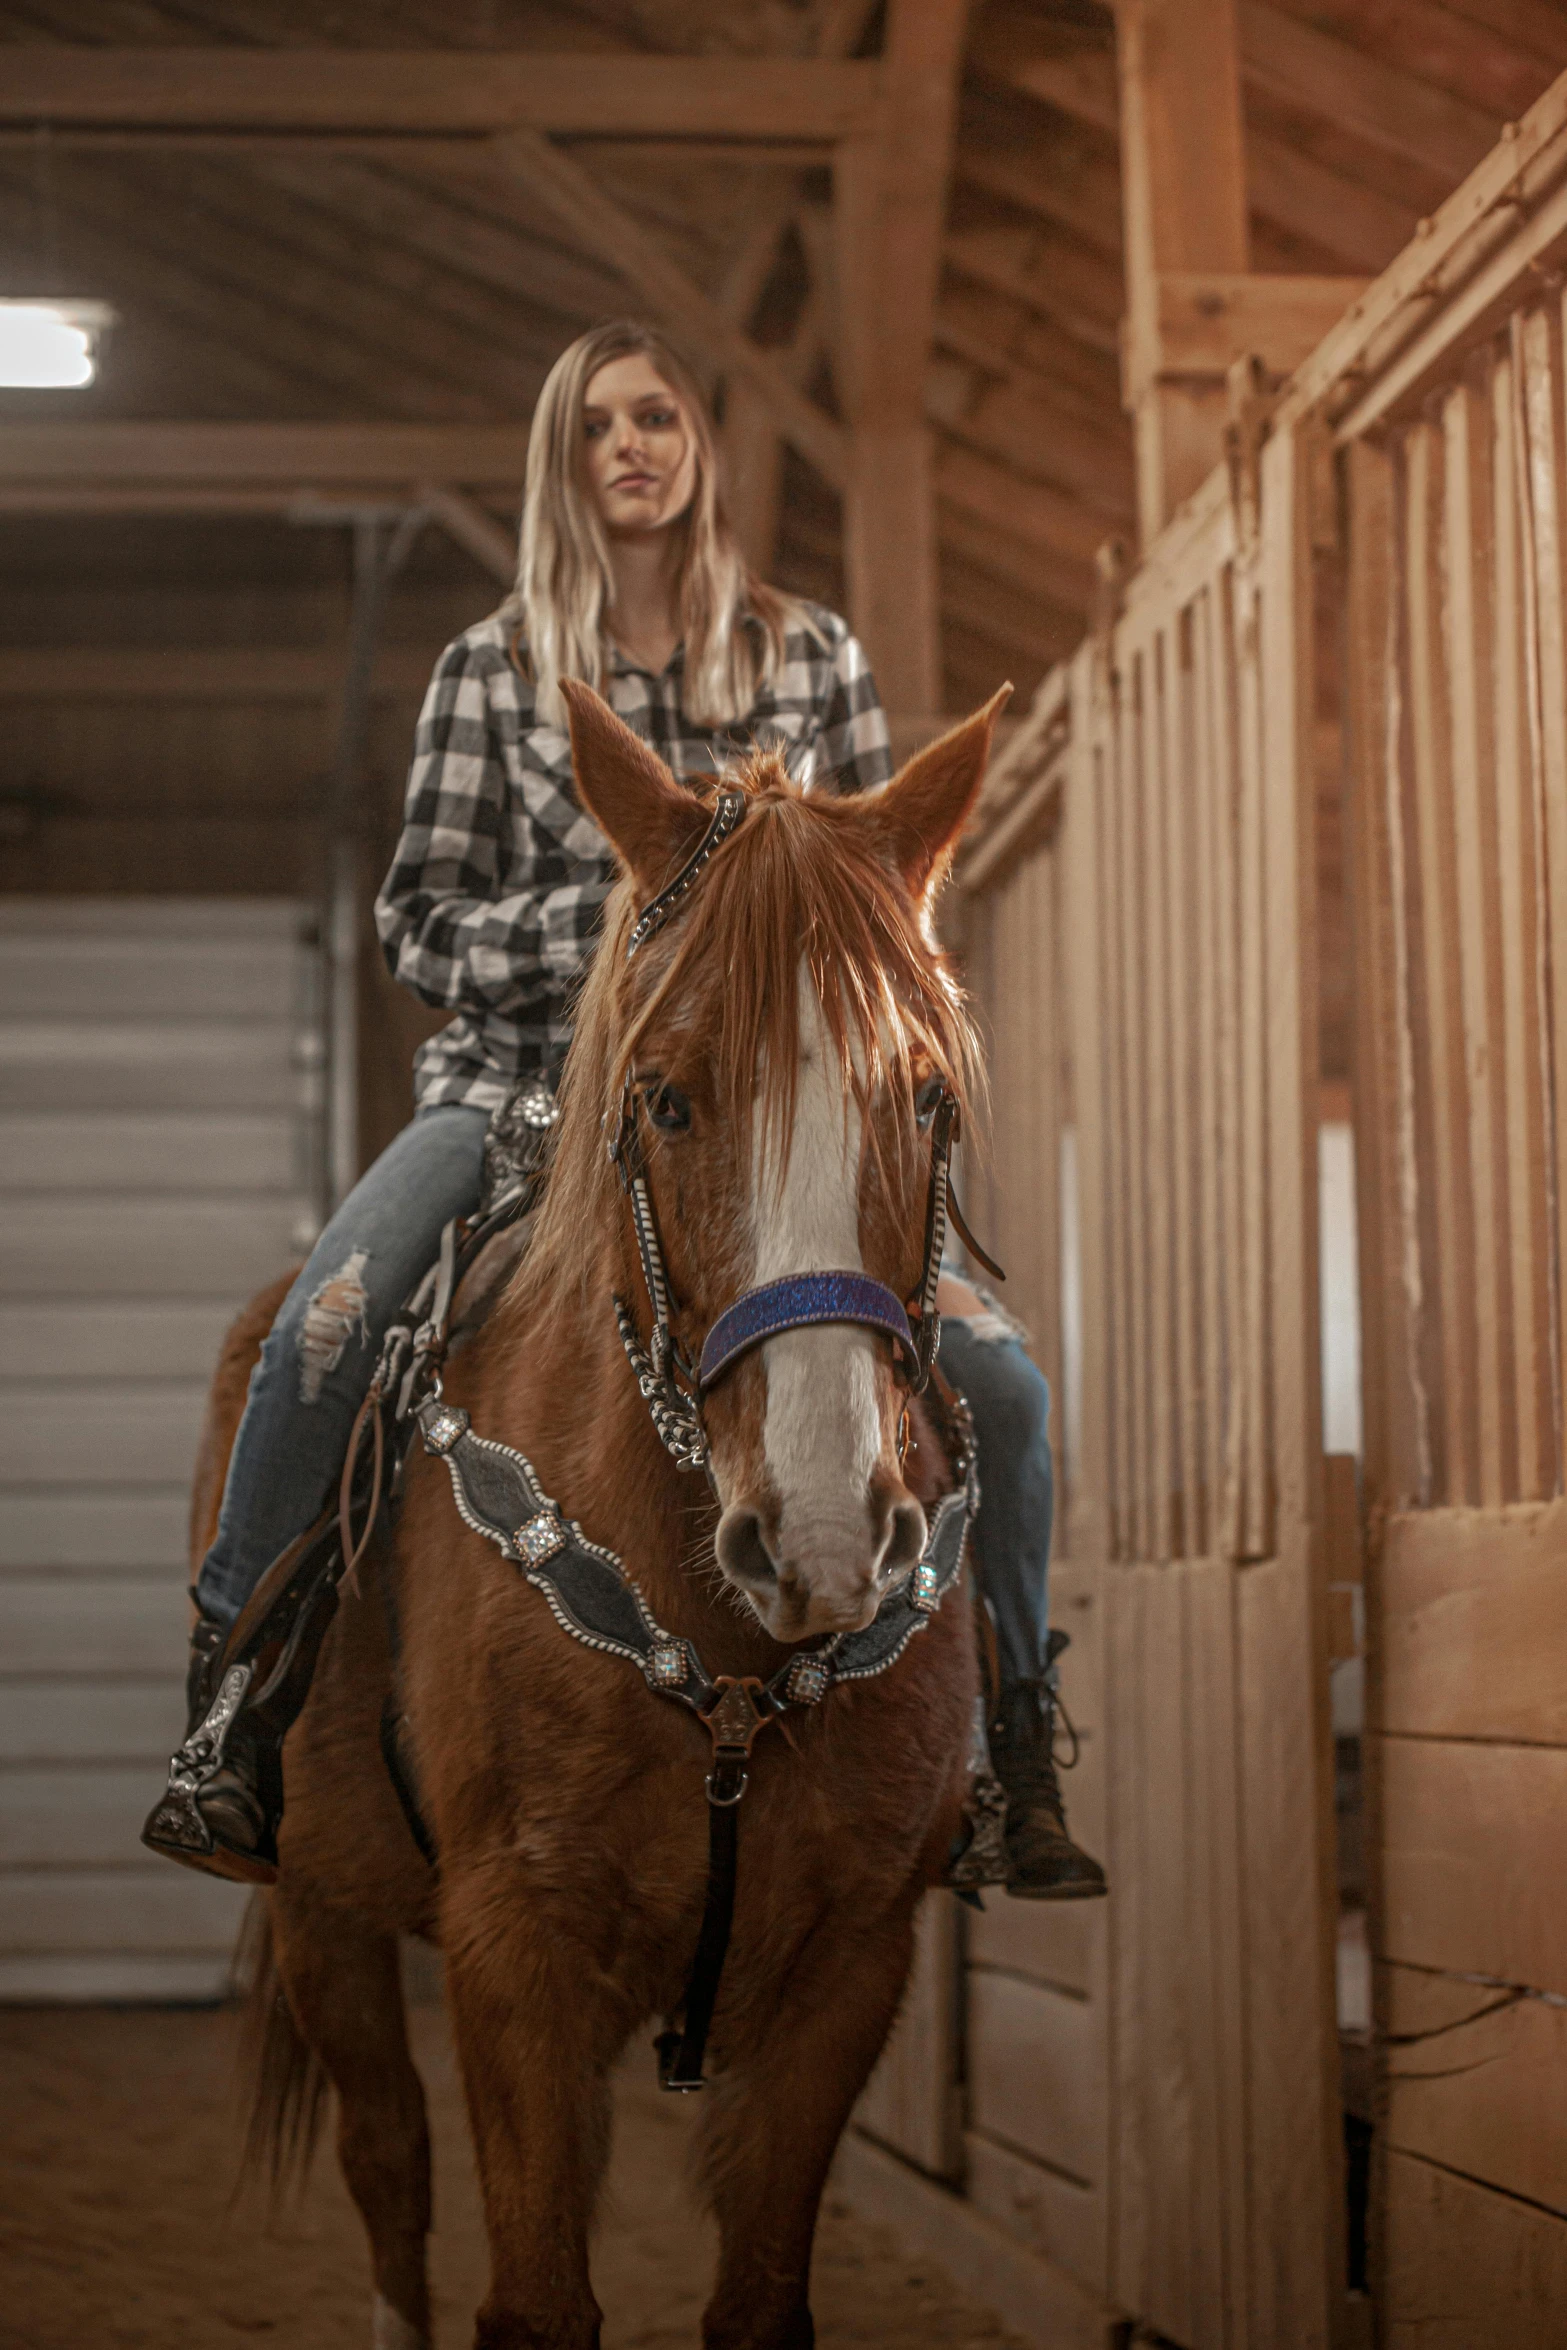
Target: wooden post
{"x":890,"y":192}
{"x":1183,"y":169}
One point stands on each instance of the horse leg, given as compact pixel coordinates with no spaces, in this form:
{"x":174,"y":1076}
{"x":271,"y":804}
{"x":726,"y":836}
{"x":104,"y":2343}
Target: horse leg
{"x":777,"y":2114}
{"x":535,"y":2039}
{"x":343,"y":1986}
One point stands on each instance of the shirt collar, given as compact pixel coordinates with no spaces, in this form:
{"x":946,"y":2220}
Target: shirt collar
{"x":622,"y":665}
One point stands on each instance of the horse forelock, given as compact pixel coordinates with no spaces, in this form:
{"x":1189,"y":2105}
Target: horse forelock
{"x":798,"y":895}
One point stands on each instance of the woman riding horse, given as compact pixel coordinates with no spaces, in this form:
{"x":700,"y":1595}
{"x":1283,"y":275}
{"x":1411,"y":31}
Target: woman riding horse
{"x":629,"y":579}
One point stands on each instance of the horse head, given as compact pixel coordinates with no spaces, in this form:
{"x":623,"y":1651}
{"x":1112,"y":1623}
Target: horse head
{"x":779,"y":1051}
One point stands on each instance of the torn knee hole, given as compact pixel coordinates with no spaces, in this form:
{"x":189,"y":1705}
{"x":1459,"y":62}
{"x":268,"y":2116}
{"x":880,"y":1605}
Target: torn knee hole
{"x":335,"y":1314}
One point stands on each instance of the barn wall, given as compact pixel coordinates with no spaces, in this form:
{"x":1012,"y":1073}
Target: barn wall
{"x":170,"y":694}
{"x":170,"y":697}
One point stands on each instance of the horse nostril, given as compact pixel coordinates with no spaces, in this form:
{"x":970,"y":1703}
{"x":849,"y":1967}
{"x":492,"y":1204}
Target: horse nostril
{"x":906,"y":1540}
{"x":742,"y":1551}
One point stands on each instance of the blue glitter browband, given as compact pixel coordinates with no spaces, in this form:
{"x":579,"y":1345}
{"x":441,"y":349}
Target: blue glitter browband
{"x":793,"y":1303}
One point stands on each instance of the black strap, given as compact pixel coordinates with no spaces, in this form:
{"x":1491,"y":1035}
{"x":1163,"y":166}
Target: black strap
{"x":680,"y":2053}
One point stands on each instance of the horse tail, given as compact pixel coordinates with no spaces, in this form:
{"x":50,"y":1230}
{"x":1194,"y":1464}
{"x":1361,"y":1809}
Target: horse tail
{"x":283,"y":2079}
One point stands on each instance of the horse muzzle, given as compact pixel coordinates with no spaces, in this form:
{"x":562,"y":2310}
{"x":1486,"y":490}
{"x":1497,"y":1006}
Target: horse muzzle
{"x":806,"y":1575}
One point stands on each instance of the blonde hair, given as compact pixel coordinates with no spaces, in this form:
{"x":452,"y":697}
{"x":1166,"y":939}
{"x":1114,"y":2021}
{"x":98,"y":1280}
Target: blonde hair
{"x":732,"y":623}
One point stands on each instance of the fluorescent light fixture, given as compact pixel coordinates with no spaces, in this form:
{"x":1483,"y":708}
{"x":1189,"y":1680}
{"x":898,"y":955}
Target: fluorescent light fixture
{"x":49,"y":346}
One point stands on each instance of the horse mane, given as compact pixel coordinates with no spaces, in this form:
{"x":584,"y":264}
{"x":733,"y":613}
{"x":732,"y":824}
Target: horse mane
{"x":800,"y":878}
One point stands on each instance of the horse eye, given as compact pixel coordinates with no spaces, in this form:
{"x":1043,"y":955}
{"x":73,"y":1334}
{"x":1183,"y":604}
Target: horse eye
{"x":669,"y":1109}
{"x":928,"y":1100}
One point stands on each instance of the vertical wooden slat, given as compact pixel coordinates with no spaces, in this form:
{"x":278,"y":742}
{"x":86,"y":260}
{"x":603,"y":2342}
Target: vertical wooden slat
{"x":1133,"y":1048}
{"x":1165,"y":1970}
{"x":1207,"y":802}
{"x":1301,"y":1995}
{"x":1121,"y":1019}
{"x":1154,"y":830}
{"x":1187,"y":791}
{"x":1251,"y":1371}
{"x":1045,"y":1099}
{"x":1227,"y":1047}
{"x":1130,"y":1768}
{"x":1084,"y":861}
{"x":1396,"y":1437}
{"x":1519,"y":1138}
{"x":1216,"y":1952}
{"x":1468,"y":424}
{"x":1544,"y":459}
{"x":1443,"y":1100}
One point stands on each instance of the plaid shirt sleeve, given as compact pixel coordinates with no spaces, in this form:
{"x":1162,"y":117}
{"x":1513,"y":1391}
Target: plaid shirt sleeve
{"x":499,"y":877}
{"x":856,"y":747}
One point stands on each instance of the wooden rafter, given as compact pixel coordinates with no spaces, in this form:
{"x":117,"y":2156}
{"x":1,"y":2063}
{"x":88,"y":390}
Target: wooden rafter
{"x":313,"y":90}
{"x":611,"y":232}
{"x":303,"y":456}
{"x":1391,"y":110}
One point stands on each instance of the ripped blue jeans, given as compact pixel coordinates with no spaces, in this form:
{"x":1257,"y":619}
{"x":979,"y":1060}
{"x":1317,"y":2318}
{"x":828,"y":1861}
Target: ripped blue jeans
{"x":316,"y":1363}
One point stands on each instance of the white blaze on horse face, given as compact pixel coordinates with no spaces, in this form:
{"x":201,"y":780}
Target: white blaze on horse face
{"x":822,"y":1434}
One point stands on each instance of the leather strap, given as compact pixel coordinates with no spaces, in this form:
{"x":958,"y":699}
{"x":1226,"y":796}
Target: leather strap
{"x":726,"y":818}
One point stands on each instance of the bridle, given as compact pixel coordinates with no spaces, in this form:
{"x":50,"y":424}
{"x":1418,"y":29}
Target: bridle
{"x":673,"y":1381}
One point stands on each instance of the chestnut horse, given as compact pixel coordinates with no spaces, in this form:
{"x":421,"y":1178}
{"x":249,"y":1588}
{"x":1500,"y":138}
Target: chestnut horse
{"x":780,"y":1035}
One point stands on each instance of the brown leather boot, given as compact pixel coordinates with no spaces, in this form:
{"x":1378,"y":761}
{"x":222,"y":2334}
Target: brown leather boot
{"x":214,"y":1814}
{"x":1043,"y":1863}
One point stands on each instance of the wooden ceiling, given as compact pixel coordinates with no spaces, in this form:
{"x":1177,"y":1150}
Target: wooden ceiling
{"x":416,"y":280}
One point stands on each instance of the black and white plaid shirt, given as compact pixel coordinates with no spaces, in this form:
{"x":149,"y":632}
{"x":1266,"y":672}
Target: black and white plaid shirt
{"x":492,"y":904}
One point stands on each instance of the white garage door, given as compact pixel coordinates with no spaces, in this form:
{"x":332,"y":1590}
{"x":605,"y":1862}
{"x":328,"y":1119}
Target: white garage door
{"x":159,"y":1141}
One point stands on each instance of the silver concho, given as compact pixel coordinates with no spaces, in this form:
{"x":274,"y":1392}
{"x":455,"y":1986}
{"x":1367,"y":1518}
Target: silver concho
{"x":925,"y":1589}
{"x":445,"y":1428}
{"x":536,"y":1106}
{"x":808,"y":1681}
{"x":666,"y":1664}
{"x":540,"y":1538}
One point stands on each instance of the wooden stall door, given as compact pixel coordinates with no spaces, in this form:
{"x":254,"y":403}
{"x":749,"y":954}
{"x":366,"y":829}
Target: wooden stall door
{"x":1191,"y":894}
{"x":1457,"y":649}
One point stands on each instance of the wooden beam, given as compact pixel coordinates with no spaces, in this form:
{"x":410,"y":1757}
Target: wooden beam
{"x":1202,"y":323}
{"x":1311,"y":71}
{"x":890,"y":197}
{"x":1031,"y":510}
{"x":366,"y":457}
{"x":611,"y":232}
{"x":298,"y":284}
{"x":1075,"y":75}
{"x":227,"y":673}
{"x":1055,"y":276}
{"x":1296,"y":192}
{"x":753,"y":451}
{"x":1183,"y":175}
{"x":437,"y":90}
{"x":1068,"y":176}
{"x":1043,"y":437}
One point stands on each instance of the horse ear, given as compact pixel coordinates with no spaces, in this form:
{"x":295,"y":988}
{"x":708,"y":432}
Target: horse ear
{"x":925,"y":807}
{"x":628,"y":791}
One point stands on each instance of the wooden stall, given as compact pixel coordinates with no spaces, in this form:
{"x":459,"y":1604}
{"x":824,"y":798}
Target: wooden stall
{"x":1388,"y":538}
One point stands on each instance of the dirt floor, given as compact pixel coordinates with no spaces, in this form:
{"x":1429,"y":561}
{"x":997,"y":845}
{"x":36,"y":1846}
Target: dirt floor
{"x":117,"y":2165}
